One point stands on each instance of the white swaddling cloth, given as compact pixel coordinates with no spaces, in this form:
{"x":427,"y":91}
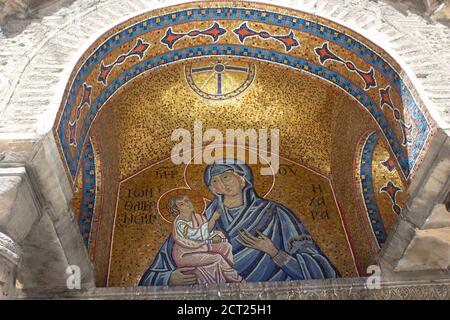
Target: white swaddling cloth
{"x":186,"y":230}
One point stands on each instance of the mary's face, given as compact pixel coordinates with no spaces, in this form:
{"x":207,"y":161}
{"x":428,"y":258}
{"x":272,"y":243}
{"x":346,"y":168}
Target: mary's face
{"x":227,"y":184}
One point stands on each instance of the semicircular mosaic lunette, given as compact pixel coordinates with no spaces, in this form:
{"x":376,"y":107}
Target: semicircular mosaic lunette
{"x":262,"y":32}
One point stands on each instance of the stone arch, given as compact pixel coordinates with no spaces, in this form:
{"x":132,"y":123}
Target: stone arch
{"x":34,"y":130}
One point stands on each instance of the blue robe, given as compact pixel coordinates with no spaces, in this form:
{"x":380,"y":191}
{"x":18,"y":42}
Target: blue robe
{"x":301,"y":257}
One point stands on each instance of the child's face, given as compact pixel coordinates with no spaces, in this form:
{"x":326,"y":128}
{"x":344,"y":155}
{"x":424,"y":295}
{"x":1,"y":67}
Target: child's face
{"x":185,"y":205}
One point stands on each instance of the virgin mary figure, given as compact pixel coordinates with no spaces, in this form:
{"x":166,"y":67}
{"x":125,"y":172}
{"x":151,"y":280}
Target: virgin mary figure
{"x":268,"y":240}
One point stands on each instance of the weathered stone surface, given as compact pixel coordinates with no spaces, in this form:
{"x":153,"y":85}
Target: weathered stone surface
{"x":20,"y":8}
{"x":47,"y":252}
{"x":7,"y":277}
{"x":339,"y":289}
{"x":447,"y":201}
{"x":70,"y":239}
{"x":18,"y":211}
{"x":405,"y":248}
{"x":43,"y":263}
{"x":439,"y":218}
{"x":13,"y":7}
{"x":28,"y":196}
{"x":429,"y":249}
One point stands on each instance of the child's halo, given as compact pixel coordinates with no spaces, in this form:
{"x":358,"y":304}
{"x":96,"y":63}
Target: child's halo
{"x":196,"y":198}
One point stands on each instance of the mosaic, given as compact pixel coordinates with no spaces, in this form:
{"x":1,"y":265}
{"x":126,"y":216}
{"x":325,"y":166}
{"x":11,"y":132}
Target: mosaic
{"x":208,"y":80}
{"x":229,"y":14}
{"x":238,"y":66}
{"x":264,"y":216}
{"x":380,"y":186}
{"x":86,"y":196}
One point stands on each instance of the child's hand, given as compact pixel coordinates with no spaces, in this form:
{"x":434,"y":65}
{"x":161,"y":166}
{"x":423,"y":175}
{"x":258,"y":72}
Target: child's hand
{"x":216,"y":215}
{"x":216,"y":239}
{"x":213,"y":220}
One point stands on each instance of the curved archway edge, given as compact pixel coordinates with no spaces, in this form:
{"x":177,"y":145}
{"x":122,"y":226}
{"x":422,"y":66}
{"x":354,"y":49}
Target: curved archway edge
{"x":407,"y":152}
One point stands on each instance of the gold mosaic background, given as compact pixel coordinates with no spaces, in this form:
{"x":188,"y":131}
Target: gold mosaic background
{"x":138,"y":234}
{"x":320,"y":129}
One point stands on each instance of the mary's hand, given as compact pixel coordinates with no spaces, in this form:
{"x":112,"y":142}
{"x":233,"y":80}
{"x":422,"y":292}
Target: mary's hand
{"x":178,"y":278}
{"x":261,"y":242}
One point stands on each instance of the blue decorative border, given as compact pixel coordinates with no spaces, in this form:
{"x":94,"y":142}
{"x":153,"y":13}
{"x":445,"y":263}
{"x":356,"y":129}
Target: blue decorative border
{"x":89,"y":193}
{"x":365,"y":173}
{"x":241,"y":51}
{"x":262,"y":16}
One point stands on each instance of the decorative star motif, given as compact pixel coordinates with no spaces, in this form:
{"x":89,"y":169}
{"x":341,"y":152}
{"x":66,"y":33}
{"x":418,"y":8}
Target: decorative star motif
{"x":243,"y":32}
{"x":85,"y":101}
{"x":325,"y":54}
{"x":389,"y":164}
{"x":138,"y":51}
{"x":385,"y":100}
{"x":171,"y":37}
{"x":391,"y":189}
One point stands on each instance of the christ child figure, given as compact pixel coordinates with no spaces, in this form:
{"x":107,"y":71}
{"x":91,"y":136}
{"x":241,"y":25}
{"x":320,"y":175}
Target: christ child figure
{"x":198,"y":246}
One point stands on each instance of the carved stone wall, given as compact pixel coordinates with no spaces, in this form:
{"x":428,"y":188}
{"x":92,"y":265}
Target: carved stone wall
{"x":21,"y":9}
{"x":13,"y":7}
{"x":348,"y":289}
